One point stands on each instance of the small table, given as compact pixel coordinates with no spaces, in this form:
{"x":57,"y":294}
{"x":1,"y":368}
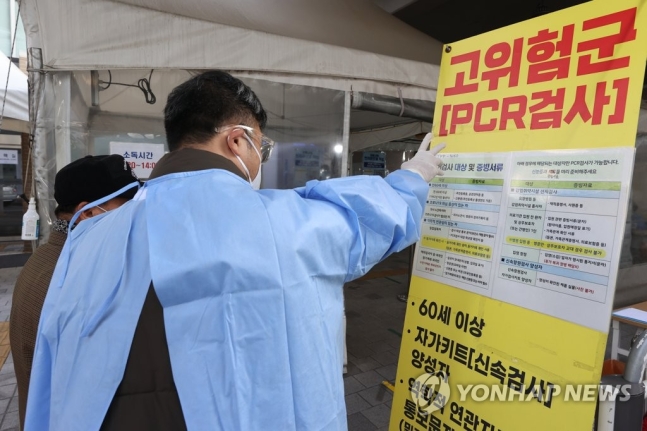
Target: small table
{"x":615,"y":320}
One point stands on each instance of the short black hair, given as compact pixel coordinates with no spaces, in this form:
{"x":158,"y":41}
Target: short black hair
{"x":205,"y":102}
{"x":64,"y":209}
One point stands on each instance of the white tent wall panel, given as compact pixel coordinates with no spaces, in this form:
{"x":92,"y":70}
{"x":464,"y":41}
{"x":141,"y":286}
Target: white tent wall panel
{"x":44,"y":152}
{"x":306,"y":122}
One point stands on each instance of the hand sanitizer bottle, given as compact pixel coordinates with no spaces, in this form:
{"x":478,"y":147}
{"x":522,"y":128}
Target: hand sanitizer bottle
{"x":31,"y":222}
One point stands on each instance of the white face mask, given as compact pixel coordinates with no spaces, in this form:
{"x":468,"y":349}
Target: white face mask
{"x":256,"y":182}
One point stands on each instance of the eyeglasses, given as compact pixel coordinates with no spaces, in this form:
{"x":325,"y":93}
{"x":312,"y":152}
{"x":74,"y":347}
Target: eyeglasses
{"x":267,"y":145}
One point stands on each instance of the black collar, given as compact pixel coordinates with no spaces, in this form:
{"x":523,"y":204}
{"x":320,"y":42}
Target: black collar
{"x":193,"y":159}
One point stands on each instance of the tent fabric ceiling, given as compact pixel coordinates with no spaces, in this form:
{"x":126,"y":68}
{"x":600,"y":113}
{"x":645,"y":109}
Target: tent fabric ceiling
{"x":337,"y":43}
{"x":357,"y":24}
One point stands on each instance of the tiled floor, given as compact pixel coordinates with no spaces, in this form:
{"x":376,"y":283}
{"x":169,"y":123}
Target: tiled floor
{"x":374,"y":323}
{"x":374,"y":319}
{"x":8,"y":393}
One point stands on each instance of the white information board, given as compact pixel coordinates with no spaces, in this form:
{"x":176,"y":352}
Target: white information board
{"x":8,"y":157}
{"x":141,"y":157}
{"x":534,"y":229}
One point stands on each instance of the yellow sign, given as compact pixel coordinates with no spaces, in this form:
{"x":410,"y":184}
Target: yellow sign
{"x":494,"y":355}
{"x":514,"y":276}
{"x":571,"y":79}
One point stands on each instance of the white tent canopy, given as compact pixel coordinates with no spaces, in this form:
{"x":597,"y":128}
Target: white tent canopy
{"x":302,"y":57}
{"x":332,"y":44}
{"x":16,"y":105}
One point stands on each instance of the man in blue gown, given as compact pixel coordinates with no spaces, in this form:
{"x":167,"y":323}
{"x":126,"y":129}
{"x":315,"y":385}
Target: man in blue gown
{"x":206,"y":304}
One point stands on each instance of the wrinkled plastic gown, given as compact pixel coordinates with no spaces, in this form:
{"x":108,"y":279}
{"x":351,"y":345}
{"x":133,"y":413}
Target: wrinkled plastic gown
{"x":251,"y":285}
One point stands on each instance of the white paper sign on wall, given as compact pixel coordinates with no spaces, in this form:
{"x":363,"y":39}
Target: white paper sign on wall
{"x":8,"y":157}
{"x":141,"y":157}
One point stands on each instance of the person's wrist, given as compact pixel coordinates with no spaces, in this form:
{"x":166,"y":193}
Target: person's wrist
{"x":415,"y":171}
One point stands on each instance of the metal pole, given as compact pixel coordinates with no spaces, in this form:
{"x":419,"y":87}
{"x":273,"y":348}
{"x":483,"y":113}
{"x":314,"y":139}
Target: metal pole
{"x":346,"y":135}
{"x":625,"y":412}
{"x":418,"y":109}
{"x":12,"y":14}
{"x":38,"y":132}
{"x":636,"y":362}
{"x":607,"y":410}
{"x":344,"y":173}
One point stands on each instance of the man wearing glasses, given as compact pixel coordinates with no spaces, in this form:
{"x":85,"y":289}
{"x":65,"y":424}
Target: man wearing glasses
{"x":206,"y":304}
{"x":195,"y":157}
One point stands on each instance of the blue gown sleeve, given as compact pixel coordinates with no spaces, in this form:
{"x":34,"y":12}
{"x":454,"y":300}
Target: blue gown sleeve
{"x":384,"y":215}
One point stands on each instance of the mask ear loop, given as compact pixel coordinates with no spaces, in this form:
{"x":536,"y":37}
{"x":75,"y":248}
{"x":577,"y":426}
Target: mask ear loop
{"x":260,"y":158}
{"x":102,"y":200}
{"x":64,"y":259}
{"x":249,"y":175}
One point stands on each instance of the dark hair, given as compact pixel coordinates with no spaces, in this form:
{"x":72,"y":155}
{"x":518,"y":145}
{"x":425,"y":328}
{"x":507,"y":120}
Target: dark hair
{"x":64,"y":209}
{"x":212,"y":99}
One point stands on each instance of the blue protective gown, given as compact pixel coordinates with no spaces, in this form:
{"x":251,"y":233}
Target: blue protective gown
{"x":251,"y":285}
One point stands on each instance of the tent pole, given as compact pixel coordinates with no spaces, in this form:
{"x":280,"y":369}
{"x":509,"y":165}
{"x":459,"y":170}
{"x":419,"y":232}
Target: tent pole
{"x":12,"y":15}
{"x":346,"y":135}
{"x":37,"y":130}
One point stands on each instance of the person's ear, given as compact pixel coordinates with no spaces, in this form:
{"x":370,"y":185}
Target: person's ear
{"x":85,"y":214}
{"x":236,"y":140}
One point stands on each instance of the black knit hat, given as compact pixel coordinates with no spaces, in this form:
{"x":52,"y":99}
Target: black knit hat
{"x":92,"y":178}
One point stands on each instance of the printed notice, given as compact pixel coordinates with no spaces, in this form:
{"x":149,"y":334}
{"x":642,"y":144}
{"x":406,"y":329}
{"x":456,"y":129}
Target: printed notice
{"x":559,"y":231}
{"x":141,"y":157}
{"x":461,"y":221}
{"x":535,"y":229}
